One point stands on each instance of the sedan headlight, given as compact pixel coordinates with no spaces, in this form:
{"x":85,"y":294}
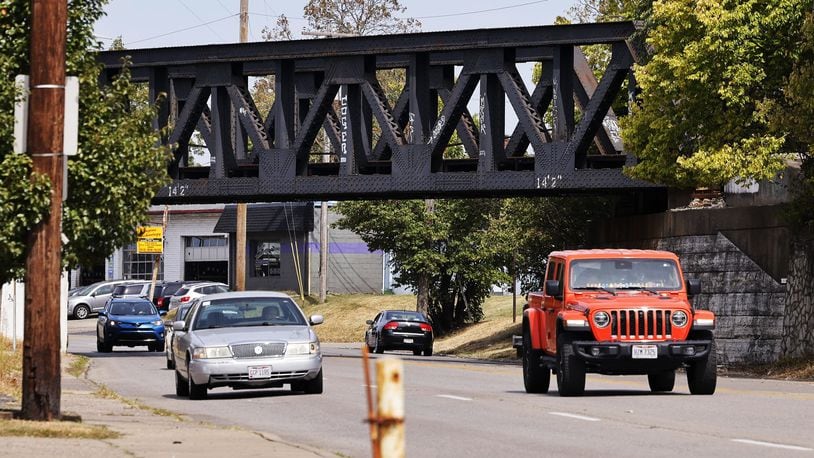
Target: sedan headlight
{"x":679,"y":318}
{"x":158,"y":323}
{"x":309,"y":348}
{"x":601,"y":319}
{"x":211,"y":353}
{"x":113,"y":323}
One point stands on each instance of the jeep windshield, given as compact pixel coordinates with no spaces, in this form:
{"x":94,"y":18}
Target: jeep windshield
{"x":610,"y":275}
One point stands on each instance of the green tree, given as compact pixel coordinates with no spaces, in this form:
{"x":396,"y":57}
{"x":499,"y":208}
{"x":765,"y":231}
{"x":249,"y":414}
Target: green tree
{"x":119,"y":167}
{"x":713,"y":66}
{"x":790,"y":115}
{"x":454,"y":241}
{"x":355,"y":17}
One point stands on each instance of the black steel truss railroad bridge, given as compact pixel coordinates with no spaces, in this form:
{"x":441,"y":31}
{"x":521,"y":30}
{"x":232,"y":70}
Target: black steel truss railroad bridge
{"x":556,"y":136}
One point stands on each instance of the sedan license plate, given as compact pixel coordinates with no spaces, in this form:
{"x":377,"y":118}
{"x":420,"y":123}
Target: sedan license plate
{"x":257,"y":372}
{"x":408,"y":340}
{"x":645,"y":352}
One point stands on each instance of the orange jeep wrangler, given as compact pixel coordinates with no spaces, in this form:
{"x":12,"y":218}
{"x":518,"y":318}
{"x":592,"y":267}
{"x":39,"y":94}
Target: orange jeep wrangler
{"x":616,"y":312}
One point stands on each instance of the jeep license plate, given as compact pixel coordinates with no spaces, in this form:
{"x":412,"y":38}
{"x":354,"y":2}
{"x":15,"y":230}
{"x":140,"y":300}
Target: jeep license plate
{"x":259,"y":372}
{"x":645,"y":352}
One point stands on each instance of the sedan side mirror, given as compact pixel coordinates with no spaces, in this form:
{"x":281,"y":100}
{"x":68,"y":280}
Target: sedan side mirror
{"x":178,"y":326}
{"x":369,"y":322}
{"x":316,"y":319}
{"x":102,"y":313}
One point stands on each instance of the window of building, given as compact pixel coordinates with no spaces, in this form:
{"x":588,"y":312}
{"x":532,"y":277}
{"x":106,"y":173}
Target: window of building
{"x":266,"y":258}
{"x":139,"y":266}
{"x":206,"y":241}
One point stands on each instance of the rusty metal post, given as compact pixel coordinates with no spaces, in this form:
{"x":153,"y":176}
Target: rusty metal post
{"x":390,"y":402}
{"x":41,"y":349}
{"x":371,"y":410}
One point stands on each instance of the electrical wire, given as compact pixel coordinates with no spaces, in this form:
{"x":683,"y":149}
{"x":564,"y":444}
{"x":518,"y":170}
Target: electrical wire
{"x":199,"y":18}
{"x":184,"y":29}
{"x":500,"y":8}
{"x":224,"y":7}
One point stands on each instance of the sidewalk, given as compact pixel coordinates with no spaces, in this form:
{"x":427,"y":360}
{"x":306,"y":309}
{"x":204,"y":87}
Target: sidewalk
{"x":146,"y":434}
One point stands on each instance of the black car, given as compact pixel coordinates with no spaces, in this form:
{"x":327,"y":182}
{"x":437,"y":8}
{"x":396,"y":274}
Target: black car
{"x":399,"y":330}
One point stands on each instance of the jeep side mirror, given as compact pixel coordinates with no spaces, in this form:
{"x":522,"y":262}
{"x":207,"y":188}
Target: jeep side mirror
{"x":693,"y":286}
{"x":553,"y":288}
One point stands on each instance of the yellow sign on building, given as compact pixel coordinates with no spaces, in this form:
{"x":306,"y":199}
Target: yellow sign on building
{"x":150,"y":240}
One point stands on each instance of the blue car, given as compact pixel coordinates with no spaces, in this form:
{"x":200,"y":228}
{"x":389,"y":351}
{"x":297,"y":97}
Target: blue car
{"x":129,"y":321}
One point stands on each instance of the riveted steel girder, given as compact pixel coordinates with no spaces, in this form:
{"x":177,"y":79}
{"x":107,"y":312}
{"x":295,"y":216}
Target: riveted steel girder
{"x":407,"y":132}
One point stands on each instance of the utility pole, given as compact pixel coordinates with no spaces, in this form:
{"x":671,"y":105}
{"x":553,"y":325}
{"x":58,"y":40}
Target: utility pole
{"x":43,"y":265}
{"x":240,"y":229}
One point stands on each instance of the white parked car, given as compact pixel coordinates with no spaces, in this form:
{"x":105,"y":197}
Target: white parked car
{"x":249,"y":339}
{"x":195,"y":290}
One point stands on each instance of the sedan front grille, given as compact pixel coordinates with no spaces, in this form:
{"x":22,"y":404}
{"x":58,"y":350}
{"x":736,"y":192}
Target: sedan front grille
{"x":258,"y":350}
{"x":640,"y":324}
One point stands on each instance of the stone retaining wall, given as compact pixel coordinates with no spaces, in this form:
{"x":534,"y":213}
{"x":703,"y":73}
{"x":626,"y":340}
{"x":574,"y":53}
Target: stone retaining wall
{"x":741,"y":256}
{"x":747,"y":302}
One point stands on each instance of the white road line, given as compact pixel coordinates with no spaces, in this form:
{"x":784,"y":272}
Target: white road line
{"x":772,"y":444}
{"x":573,"y":415}
{"x":449,"y":396}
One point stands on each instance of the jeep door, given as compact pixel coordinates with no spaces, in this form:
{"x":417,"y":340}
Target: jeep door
{"x":552,"y":305}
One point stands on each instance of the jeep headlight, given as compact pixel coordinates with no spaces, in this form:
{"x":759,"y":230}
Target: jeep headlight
{"x":679,"y":318}
{"x":309,"y":348}
{"x":211,"y":353}
{"x":601,"y":319}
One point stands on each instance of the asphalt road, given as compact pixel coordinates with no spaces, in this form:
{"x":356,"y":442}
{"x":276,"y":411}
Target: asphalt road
{"x":465,"y":408}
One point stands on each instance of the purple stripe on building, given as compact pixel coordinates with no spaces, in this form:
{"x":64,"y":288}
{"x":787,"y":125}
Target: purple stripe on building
{"x":344,"y":248}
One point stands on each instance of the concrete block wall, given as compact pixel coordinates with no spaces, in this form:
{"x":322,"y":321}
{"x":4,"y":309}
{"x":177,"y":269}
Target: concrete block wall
{"x":747,"y":302}
{"x":352,"y":268}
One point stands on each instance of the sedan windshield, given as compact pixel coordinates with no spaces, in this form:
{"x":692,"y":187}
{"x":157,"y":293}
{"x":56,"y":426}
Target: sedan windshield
{"x":632,"y":274}
{"x":254,"y":311}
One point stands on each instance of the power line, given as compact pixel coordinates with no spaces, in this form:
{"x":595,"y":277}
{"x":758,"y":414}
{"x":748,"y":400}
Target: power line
{"x":224,"y":7}
{"x":205,"y":24}
{"x":480,"y":11}
{"x":199,"y":18}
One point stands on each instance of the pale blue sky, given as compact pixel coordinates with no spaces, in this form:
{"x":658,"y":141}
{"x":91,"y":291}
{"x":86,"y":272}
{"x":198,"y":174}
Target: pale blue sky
{"x":160,"y":23}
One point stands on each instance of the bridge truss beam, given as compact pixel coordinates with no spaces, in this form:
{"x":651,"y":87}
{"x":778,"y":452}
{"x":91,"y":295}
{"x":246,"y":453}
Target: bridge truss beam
{"x":390,"y":143}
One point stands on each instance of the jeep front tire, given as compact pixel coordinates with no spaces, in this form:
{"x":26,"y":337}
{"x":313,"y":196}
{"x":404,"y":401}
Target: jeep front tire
{"x":571,"y":371}
{"x":702,"y":376}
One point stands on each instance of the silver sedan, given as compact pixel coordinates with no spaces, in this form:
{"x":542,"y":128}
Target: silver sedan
{"x":251,"y":339}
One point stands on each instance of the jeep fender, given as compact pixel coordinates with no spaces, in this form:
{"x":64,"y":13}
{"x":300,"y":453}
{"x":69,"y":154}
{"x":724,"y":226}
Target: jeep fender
{"x":703,"y":320}
{"x":572,"y":320}
{"x":534,"y":321}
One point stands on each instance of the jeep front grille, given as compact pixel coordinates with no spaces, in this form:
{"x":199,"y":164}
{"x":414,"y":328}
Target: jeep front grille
{"x":640,"y":324}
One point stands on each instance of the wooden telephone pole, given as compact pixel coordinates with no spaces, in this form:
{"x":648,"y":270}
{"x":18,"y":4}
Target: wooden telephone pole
{"x":43,"y":265}
{"x":240,"y":229}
